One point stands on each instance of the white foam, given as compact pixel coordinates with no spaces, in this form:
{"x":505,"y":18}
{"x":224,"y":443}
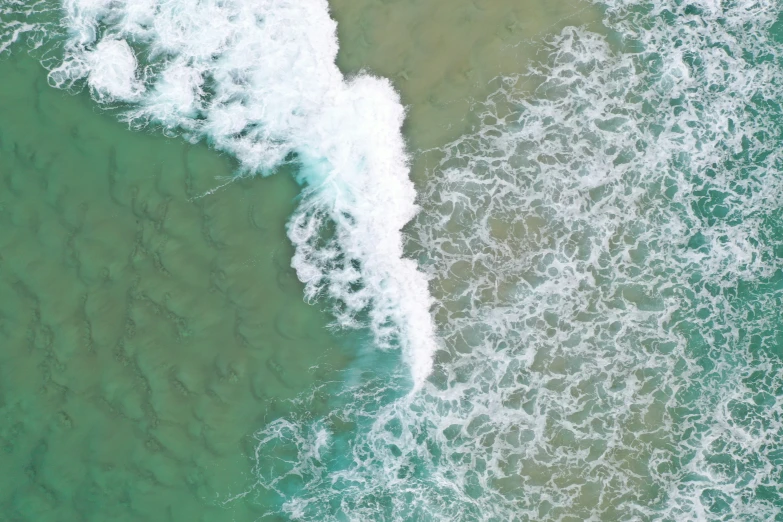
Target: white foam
{"x":274,"y":89}
{"x":112,"y":71}
{"x":601,"y":359}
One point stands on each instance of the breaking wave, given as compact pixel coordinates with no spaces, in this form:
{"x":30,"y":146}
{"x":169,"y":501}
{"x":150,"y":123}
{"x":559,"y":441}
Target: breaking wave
{"x":258,"y":80}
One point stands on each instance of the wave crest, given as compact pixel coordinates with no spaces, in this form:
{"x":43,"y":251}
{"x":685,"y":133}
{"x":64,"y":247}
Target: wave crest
{"x":258,"y":80}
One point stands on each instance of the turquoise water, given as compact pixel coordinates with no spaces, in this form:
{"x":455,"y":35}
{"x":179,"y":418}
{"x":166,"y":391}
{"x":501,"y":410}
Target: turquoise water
{"x":572,"y":315}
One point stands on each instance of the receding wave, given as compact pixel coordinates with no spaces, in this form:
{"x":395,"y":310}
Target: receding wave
{"x":605,"y":254}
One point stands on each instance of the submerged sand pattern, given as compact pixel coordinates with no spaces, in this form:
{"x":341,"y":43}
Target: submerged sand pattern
{"x":147,"y":326}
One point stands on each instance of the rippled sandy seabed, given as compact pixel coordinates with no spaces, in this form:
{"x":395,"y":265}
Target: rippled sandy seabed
{"x":146,"y":333}
{"x":581,"y":322}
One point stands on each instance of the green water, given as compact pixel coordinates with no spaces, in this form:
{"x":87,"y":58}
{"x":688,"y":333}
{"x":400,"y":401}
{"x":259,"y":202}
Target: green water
{"x":146,"y":329}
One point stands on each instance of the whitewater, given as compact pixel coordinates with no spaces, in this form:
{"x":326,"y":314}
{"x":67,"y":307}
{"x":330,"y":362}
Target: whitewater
{"x":587,"y":296}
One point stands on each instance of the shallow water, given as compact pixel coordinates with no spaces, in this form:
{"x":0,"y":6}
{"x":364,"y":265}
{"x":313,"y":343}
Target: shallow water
{"x":147,"y":329}
{"x":599,"y":243}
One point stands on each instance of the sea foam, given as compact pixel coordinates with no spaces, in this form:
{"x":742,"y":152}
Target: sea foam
{"x":605,"y":254}
{"x":258,"y":80}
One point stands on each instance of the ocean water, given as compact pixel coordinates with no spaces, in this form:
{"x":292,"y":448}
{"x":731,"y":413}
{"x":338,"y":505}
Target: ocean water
{"x":547,"y":287}
{"x":136,"y":359}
